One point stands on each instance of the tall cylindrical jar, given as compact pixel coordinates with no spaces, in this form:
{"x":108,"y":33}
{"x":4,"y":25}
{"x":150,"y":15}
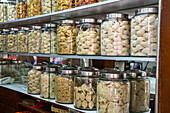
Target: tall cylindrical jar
{"x":4,"y":38}
{"x":34,"y":40}
{"x":22,"y":45}
{"x":85,"y":90}
{"x":1,"y":40}
{"x":34,"y":76}
{"x":21,"y":9}
{"x":113,"y":93}
{"x":144,"y":32}
{"x":12,"y":40}
{"x":65,"y":4}
{"x":66,"y":37}
{"x":49,"y":6}
{"x":139,"y":92}
{"x":11,"y":11}
{"x":49,"y":39}
{"x":34,"y":7}
{"x":5,"y":11}
{"x":88,"y":38}
{"x":115,"y":35}
{"x":1,"y":13}
{"x":65,"y":85}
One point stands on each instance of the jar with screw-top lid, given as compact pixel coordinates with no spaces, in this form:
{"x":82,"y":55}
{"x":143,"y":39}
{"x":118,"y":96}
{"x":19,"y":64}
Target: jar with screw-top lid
{"x":4,"y":38}
{"x":113,"y":93}
{"x":12,"y":40}
{"x":139,"y":92}
{"x":144,"y":28}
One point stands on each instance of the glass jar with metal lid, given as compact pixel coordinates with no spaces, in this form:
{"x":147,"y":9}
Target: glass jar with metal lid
{"x":34,"y":76}
{"x":115,"y":35}
{"x":12,"y":40}
{"x":22,"y":37}
{"x":144,"y":32}
{"x":66,"y":37}
{"x":139,"y":92}
{"x":113,"y":93}
{"x":21,"y":9}
{"x":85,"y":90}
{"x":4,"y":38}
{"x":65,"y":85}
{"x":49,"y":39}
{"x":34,"y":40}
{"x":88,"y":38}
{"x":11,"y":11}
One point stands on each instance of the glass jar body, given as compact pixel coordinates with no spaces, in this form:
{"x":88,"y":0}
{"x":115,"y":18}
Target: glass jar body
{"x":85,"y":2}
{"x":12,"y":42}
{"x":4,"y":41}
{"x":34,"y":7}
{"x":22,"y":42}
{"x":65,"y":4}
{"x":11,"y":11}
{"x":21,"y":9}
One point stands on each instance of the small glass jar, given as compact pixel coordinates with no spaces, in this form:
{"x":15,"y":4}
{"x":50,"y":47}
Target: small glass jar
{"x":21,"y":9}
{"x":113,"y":93}
{"x":22,"y":40}
{"x":88,"y":38}
{"x":66,"y":37}
{"x":49,"y":6}
{"x":115,"y":35}
{"x":65,"y":85}
{"x":34,"y":76}
{"x":11,"y":11}
{"x":34,"y":40}
{"x":139,"y":92}
{"x":144,"y":28}
{"x":34,"y":7}
{"x":85,"y":2}
{"x":4,"y":38}
{"x":1,"y":40}
{"x":85,"y":90}
{"x":12,"y":40}
{"x":49,"y":39}
{"x":65,"y":4}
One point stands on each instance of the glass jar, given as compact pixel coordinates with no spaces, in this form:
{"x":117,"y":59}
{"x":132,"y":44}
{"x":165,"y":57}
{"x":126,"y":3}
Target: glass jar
{"x":12,"y":40}
{"x":34,"y":79}
{"x":1,"y":40}
{"x":49,"y":39}
{"x":11,"y":11}
{"x":5,"y":11}
{"x":85,"y":90}
{"x":65,"y":4}
{"x":139,"y":92}
{"x":115,"y":35}
{"x":4,"y":38}
{"x":22,"y":40}
{"x":34,"y":7}
{"x":144,"y":27}
{"x":113,"y":93}
{"x":66,"y":35}
{"x":21,"y":9}
{"x":65,"y":85}
{"x":34,"y":40}
{"x":49,"y":6}
{"x":1,"y":12}
{"x":88,"y":38}
{"x":85,"y":2}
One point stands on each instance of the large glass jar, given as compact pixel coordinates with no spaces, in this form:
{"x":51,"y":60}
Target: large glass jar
{"x":85,"y":2}
{"x":1,"y":13}
{"x":22,"y":40}
{"x":88,"y":39}
{"x":115,"y":35}
{"x":65,"y":85}
{"x":66,"y":37}
{"x":144,"y":32}
{"x":12,"y":40}
{"x":34,"y":76}
{"x":5,"y":11}
{"x":34,"y":7}
{"x":1,"y":41}
{"x":4,"y":38}
{"x":139,"y":92}
{"x":65,"y":4}
{"x":85,"y":90}
{"x":21,"y":9}
{"x":49,"y":39}
{"x":11,"y":11}
{"x":49,"y":6}
{"x":113,"y":93}
{"x":34,"y":40}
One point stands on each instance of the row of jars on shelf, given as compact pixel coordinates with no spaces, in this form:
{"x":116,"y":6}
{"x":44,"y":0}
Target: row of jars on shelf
{"x":28,"y":8}
{"x":107,"y":90}
{"x":113,"y":37}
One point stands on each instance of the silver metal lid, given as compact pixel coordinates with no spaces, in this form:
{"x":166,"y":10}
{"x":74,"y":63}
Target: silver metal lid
{"x":14,"y":29}
{"x":88,"y":20}
{"x":67,"y":21}
{"x":146,"y":10}
{"x":5,"y":30}
{"x":108,"y":70}
{"x":24,"y":28}
{"x":89,"y":72}
{"x":116,"y":15}
{"x":114,"y":75}
{"x":136,"y":73}
{"x":37,"y":66}
{"x":68,"y":70}
{"x":36,"y":27}
{"x":50,"y":25}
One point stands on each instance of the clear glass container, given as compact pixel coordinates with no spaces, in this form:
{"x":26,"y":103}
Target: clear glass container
{"x":21,"y":9}
{"x":34,"y":40}
{"x":65,"y":85}
{"x":144,"y":27}
{"x":49,"y":6}
{"x":85,"y":90}
{"x":34,"y":7}
{"x":22,"y":37}
{"x":1,"y":40}
{"x":34,"y":76}
{"x":5,"y":11}
{"x":115,"y":35}
{"x":139,"y":92}
{"x":49,"y":39}
{"x":85,"y":2}
{"x":113,"y":93}
{"x":11,"y":11}
{"x":88,"y":38}
{"x":66,"y":37}
{"x":4,"y":38}
{"x":12,"y":40}
{"x":65,"y":4}
{"x":1,"y":12}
